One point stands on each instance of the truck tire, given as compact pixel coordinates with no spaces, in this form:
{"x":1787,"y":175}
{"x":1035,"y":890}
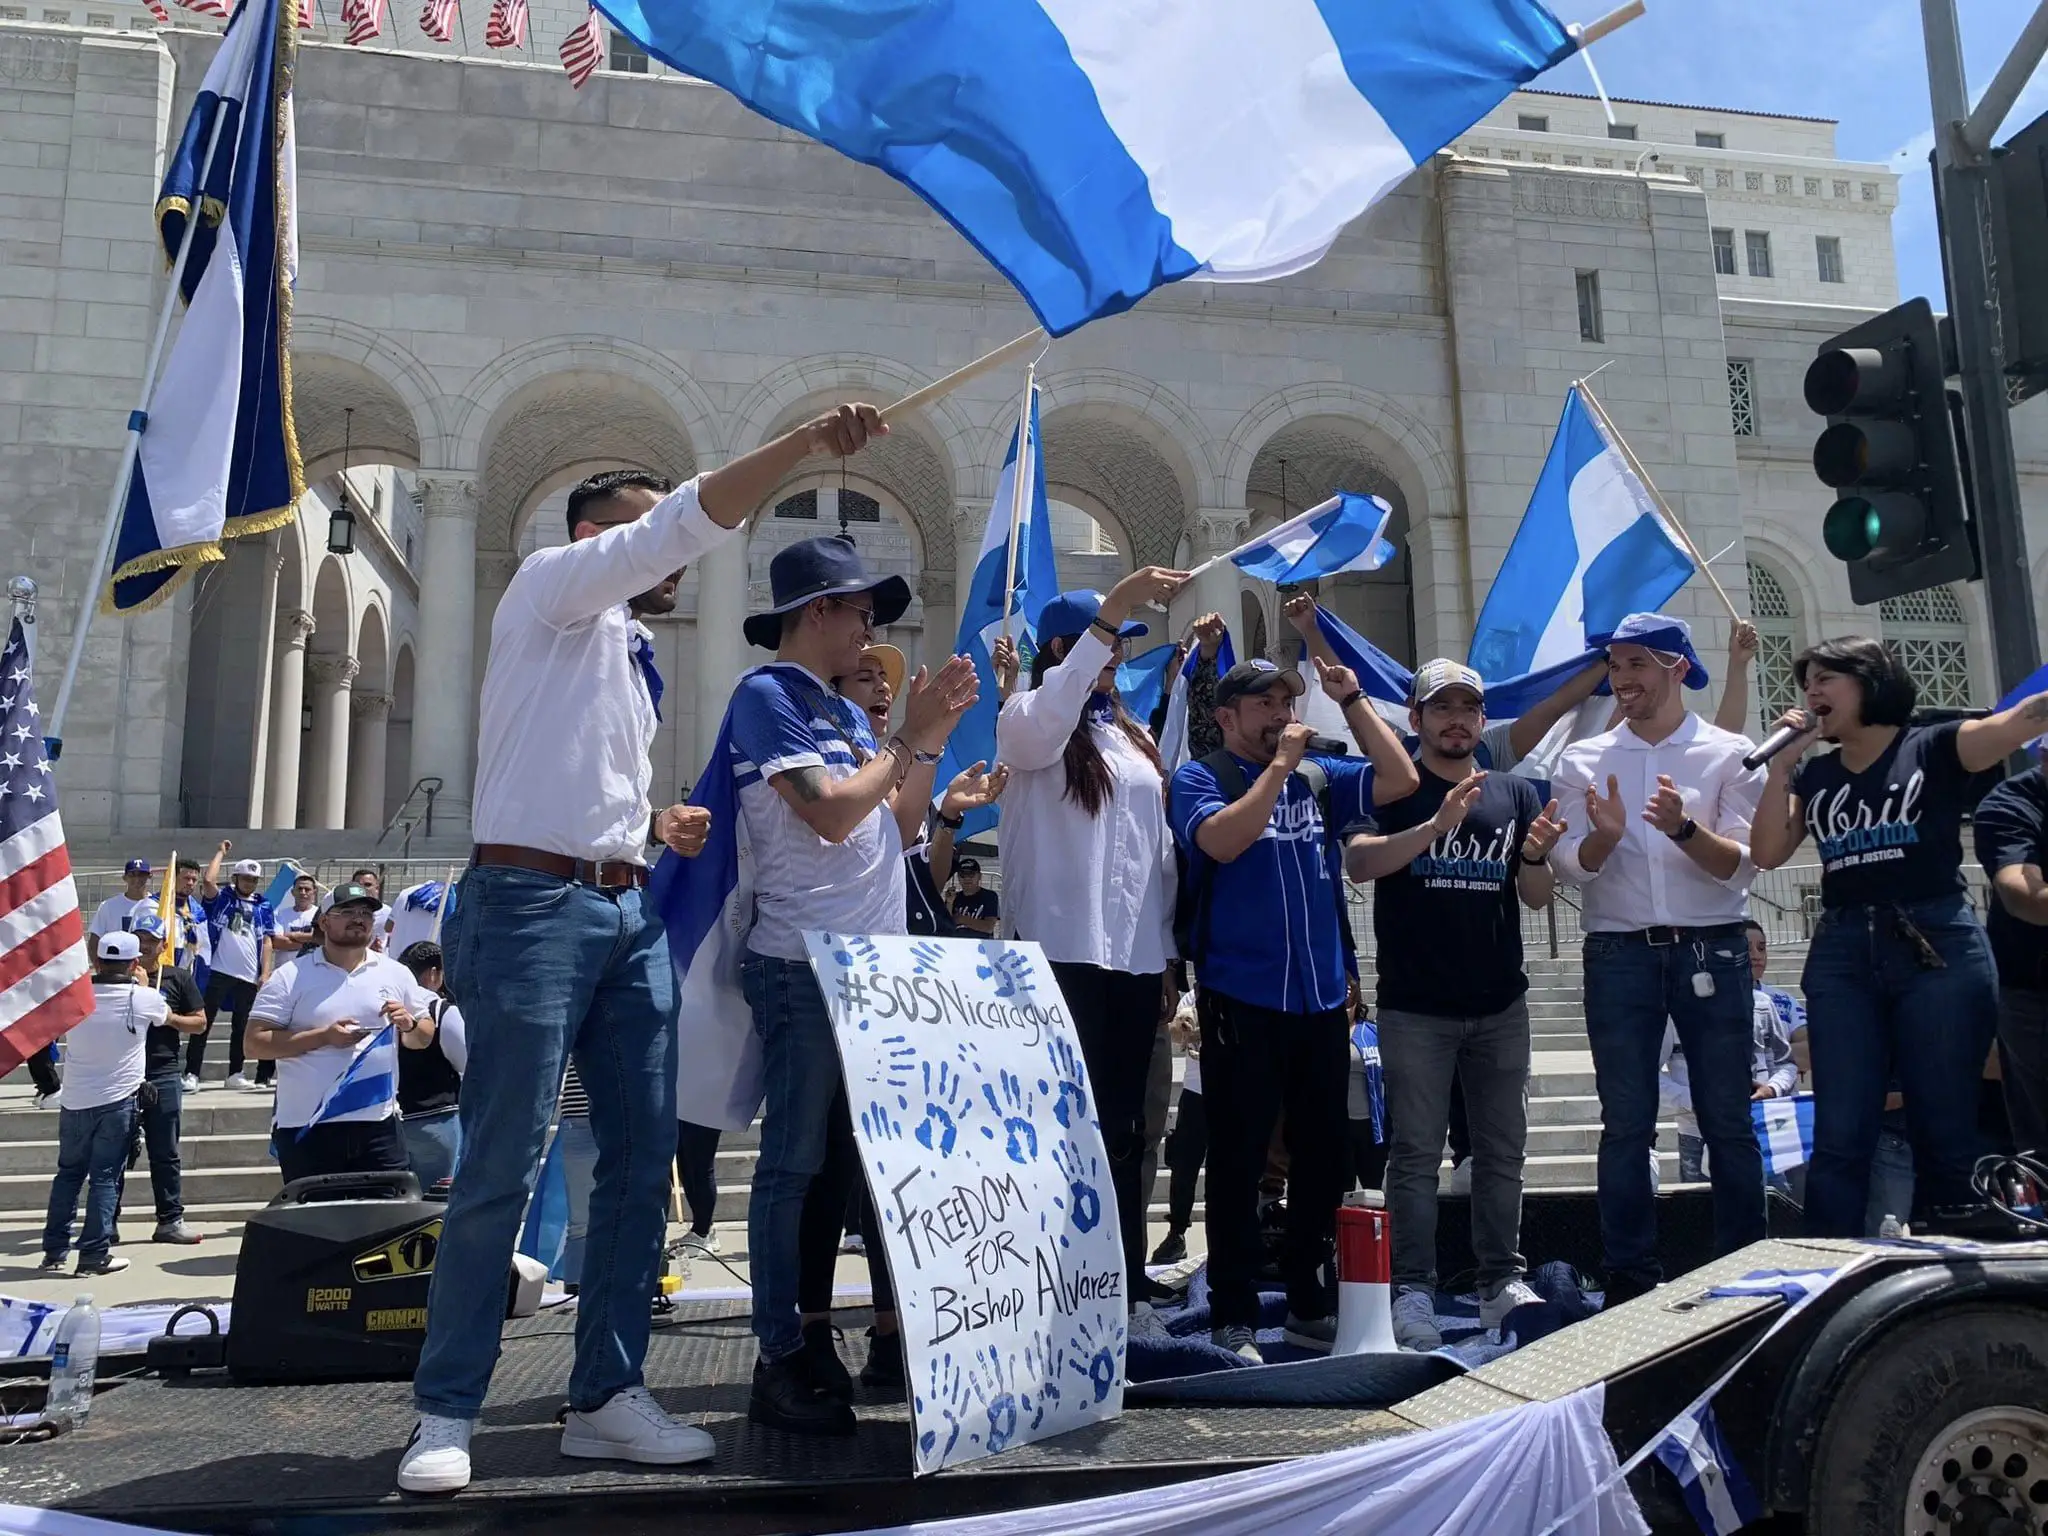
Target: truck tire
{"x":1939,"y":1429}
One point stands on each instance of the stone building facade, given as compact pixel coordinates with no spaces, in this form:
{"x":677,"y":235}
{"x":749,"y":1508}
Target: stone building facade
{"x":506,"y":284}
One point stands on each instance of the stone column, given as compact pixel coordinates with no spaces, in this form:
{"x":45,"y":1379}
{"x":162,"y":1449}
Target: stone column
{"x":1215,"y":531}
{"x":969,"y":519}
{"x":366,"y":748}
{"x":721,"y":648}
{"x":941,"y":622}
{"x":444,"y":708}
{"x":327,"y":779}
{"x":266,"y":668}
{"x":287,"y":704}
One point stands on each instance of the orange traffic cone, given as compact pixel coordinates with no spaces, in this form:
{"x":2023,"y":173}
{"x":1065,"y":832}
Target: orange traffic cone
{"x":1365,"y":1315}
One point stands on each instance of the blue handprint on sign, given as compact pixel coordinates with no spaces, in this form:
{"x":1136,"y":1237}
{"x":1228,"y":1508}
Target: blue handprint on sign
{"x":1007,"y":968}
{"x":925,"y":959}
{"x":1083,"y":1172}
{"x":1070,"y":1107}
{"x":1044,"y":1361}
{"x":880,"y":1124}
{"x":859,"y":951}
{"x":946,"y":1100}
{"x":1013,"y":1106}
{"x":898,"y":1056}
{"x":1003,"y":1394}
{"x":1096,"y":1359}
{"x":945,"y":1396}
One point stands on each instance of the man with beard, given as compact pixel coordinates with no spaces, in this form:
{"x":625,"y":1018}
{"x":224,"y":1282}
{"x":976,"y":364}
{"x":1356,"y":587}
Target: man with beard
{"x":551,"y":951}
{"x":1661,"y":850}
{"x":1455,"y":861}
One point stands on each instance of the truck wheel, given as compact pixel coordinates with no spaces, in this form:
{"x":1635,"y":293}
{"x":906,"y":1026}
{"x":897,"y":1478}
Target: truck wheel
{"x":1941,"y":1429}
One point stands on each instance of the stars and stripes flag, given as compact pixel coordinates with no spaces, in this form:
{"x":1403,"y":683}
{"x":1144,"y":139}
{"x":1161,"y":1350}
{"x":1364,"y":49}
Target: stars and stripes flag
{"x":206,"y":7}
{"x":507,"y":25}
{"x":437,"y":20}
{"x":583,"y":51}
{"x":160,"y":11}
{"x":363,"y":18}
{"x":45,"y":981}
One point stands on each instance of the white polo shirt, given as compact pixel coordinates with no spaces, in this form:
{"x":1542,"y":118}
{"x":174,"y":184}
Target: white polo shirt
{"x":103,"y":1053}
{"x":310,"y":991}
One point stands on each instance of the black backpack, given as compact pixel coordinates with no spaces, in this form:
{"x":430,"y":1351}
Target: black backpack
{"x":1191,"y":901}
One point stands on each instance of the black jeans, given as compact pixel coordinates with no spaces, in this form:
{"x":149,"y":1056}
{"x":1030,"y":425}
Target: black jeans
{"x":1116,"y":1016}
{"x":236,"y":995}
{"x":2023,"y":1064}
{"x":1256,"y":1064}
{"x":832,"y":1189}
{"x":1186,"y":1150}
{"x":42,"y":1069}
{"x":697,"y":1168}
{"x":161,"y":1101}
{"x":342,"y":1146}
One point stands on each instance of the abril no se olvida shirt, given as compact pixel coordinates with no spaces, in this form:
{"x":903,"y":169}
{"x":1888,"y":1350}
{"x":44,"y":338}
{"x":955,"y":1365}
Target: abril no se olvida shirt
{"x":1892,"y":833}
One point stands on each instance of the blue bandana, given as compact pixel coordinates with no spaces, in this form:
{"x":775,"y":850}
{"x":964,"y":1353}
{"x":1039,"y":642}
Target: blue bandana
{"x":643,"y":658}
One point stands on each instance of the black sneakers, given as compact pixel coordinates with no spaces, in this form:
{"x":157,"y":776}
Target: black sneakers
{"x":787,"y":1396}
{"x":883,"y":1375}
{"x":822,"y":1355}
{"x":1172,"y":1248}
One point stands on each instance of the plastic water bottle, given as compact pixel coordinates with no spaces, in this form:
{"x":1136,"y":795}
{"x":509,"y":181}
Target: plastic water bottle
{"x":1891,"y":1227}
{"x":74,"y":1361}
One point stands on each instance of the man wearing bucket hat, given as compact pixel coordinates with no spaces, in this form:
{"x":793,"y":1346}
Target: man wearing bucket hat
{"x":1660,"y":810}
{"x":551,"y":950}
{"x":826,"y":823}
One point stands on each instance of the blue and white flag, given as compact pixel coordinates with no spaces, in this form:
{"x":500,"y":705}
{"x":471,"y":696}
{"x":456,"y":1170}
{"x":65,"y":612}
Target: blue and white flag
{"x":1173,"y":730}
{"x":1789,"y":1285}
{"x":984,"y":604}
{"x":369,"y":1079}
{"x":1784,"y":1129}
{"x":219,"y":457}
{"x":1345,"y":533}
{"x":1716,"y":1489}
{"x":1592,"y":549}
{"x":1081,"y":146}
{"x":545,"y":1234}
{"x":1142,"y":681}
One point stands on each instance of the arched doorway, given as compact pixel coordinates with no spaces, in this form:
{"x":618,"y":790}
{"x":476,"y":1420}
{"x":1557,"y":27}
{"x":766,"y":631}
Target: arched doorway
{"x":398,"y":733}
{"x":232,"y":617}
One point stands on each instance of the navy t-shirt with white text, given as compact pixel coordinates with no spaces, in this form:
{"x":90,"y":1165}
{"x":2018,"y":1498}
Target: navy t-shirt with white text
{"x":1274,"y":911}
{"x":1894,"y":832}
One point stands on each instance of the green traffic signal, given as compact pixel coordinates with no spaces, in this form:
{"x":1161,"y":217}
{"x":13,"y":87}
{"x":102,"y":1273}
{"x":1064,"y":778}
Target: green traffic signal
{"x":1851,"y":528}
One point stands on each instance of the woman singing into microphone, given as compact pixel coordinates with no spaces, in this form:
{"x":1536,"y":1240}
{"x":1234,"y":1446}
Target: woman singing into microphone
{"x":1088,"y":866}
{"x":1898,"y":976}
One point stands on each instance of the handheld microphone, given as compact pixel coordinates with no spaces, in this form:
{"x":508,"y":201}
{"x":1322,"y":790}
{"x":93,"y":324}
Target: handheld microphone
{"x":1779,"y":740}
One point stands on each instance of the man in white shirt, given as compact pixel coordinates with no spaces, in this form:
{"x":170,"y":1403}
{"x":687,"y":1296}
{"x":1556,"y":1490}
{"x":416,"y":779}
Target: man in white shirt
{"x":333,"y":1019}
{"x":241,"y":924}
{"x":297,"y":925}
{"x":103,"y":1061}
{"x":1661,"y":808}
{"x":551,"y":951}
{"x":117,"y":914}
{"x":380,"y":931}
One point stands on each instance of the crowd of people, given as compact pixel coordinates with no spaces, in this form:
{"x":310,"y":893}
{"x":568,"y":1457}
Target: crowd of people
{"x":1202,"y":900}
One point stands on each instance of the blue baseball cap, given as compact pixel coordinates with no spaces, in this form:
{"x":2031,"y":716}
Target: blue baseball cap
{"x":1072,"y":612}
{"x":136,"y":867}
{"x":1656,"y":632}
{"x":149,"y":925}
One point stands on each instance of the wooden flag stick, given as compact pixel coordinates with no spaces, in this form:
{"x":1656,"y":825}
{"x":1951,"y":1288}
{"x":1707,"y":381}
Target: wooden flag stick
{"x":1009,"y":352}
{"x":1614,"y":436}
{"x":1021,"y":482}
{"x":441,"y":907}
{"x":1613,"y":21}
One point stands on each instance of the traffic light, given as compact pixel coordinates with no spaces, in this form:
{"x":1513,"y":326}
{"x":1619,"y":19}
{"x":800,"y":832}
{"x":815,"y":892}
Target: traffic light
{"x":1902,"y":519}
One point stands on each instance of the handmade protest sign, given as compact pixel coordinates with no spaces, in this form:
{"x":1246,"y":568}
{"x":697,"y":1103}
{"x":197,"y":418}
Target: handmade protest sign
{"x":979,"y":1141}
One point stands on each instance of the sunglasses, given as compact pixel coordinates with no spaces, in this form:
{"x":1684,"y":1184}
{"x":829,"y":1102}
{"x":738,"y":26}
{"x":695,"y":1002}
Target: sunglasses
{"x":867,"y":615}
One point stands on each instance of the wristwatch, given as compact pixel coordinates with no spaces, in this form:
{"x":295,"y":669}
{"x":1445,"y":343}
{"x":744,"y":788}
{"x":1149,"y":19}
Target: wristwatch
{"x":1351,"y":698}
{"x":955,"y":822}
{"x":1684,"y":833}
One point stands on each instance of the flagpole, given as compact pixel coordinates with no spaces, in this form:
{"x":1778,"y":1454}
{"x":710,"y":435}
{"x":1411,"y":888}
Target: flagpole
{"x":138,"y":423}
{"x":1614,"y":436}
{"x":1216,"y":560}
{"x":441,"y":907}
{"x":1020,"y":491}
{"x":1008,"y":352}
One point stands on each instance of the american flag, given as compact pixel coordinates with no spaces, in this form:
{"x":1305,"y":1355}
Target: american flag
{"x":507,"y":26}
{"x":206,"y":7}
{"x":159,"y":10}
{"x":437,"y":20}
{"x":583,"y":51}
{"x":45,"y":983}
{"x":363,"y":18}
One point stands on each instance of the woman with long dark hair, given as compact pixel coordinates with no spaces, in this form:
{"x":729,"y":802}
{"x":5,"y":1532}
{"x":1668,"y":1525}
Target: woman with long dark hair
{"x":1088,"y":867}
{"x":1898,"y":975}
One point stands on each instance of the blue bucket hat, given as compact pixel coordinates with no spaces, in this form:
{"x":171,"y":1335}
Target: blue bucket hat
{"x":1072,"y":612}
{"x":825,"y":567}
{"x":1656,"y":632}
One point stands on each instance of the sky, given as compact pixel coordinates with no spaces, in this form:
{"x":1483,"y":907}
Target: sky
{"x":1860,"y":62}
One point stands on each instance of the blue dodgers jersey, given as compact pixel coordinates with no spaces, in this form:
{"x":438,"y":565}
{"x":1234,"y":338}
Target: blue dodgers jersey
{"x":1274,"y":912}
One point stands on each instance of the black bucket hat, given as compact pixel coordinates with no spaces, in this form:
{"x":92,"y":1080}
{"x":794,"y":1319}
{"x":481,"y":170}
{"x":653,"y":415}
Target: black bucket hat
{"x":826,"y":567}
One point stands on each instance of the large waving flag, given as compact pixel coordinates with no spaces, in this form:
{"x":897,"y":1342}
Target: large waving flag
{"x":984,"y":604}
{"x":1345,"y":533}
{"x":1093,"y":151}
{"x":45,"y":985}
{"x":218,"y":457}
{"x":1592,"y":548}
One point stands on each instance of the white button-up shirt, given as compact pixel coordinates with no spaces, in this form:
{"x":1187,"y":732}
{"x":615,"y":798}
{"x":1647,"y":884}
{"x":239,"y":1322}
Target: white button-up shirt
{"x":1648,"y":880}
{"x":1092,"y":890}
{"x":566,"y":724}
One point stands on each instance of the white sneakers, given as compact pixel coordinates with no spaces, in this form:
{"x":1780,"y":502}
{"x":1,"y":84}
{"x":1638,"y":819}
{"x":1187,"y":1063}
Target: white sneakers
{"x":705,"y":1244}
{"x":436,"y":1459}
{"x":189,"y":1083}
{"x":239,"y":1080}
{"x":632,"y":1427}
{"x":1415,"y":1319}
{"x":1493,"y":1310}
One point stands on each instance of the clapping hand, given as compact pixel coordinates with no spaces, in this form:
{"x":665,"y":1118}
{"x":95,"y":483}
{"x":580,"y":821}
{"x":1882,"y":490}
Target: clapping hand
{"x":1606,"y":814}
{"x":1457,"y":803}
{"x":1544,"y":832}
{"x":937,"y":701}
{"x":1666,"y":810}
{"x":974,"y":788}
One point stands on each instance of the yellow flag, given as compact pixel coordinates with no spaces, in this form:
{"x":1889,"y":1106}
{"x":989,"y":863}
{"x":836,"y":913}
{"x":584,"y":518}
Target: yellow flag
{"x":167,"y":910}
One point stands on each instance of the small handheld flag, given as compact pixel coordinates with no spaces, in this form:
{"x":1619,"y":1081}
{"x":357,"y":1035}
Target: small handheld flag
{"x":1345,"y":533}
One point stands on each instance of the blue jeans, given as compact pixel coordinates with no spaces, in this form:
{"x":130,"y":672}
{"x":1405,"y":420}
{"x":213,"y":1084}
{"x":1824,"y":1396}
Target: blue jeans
{"x":160,"y":1131}
{"x":1874,"y":1012}
{"x":92,"y":1152}
{"x":1891,"y":1181}
{"x":432,"y":1143}
{"x":1631,"y":989}
{"x":545,"y":967}
{"x":801,"y":1075}
{"x":579,"y":1178}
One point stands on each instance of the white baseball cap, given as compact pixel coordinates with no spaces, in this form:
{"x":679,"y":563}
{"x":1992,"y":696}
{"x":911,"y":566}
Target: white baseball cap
{"x":248,"y":867}
{"x":119,"y":946}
